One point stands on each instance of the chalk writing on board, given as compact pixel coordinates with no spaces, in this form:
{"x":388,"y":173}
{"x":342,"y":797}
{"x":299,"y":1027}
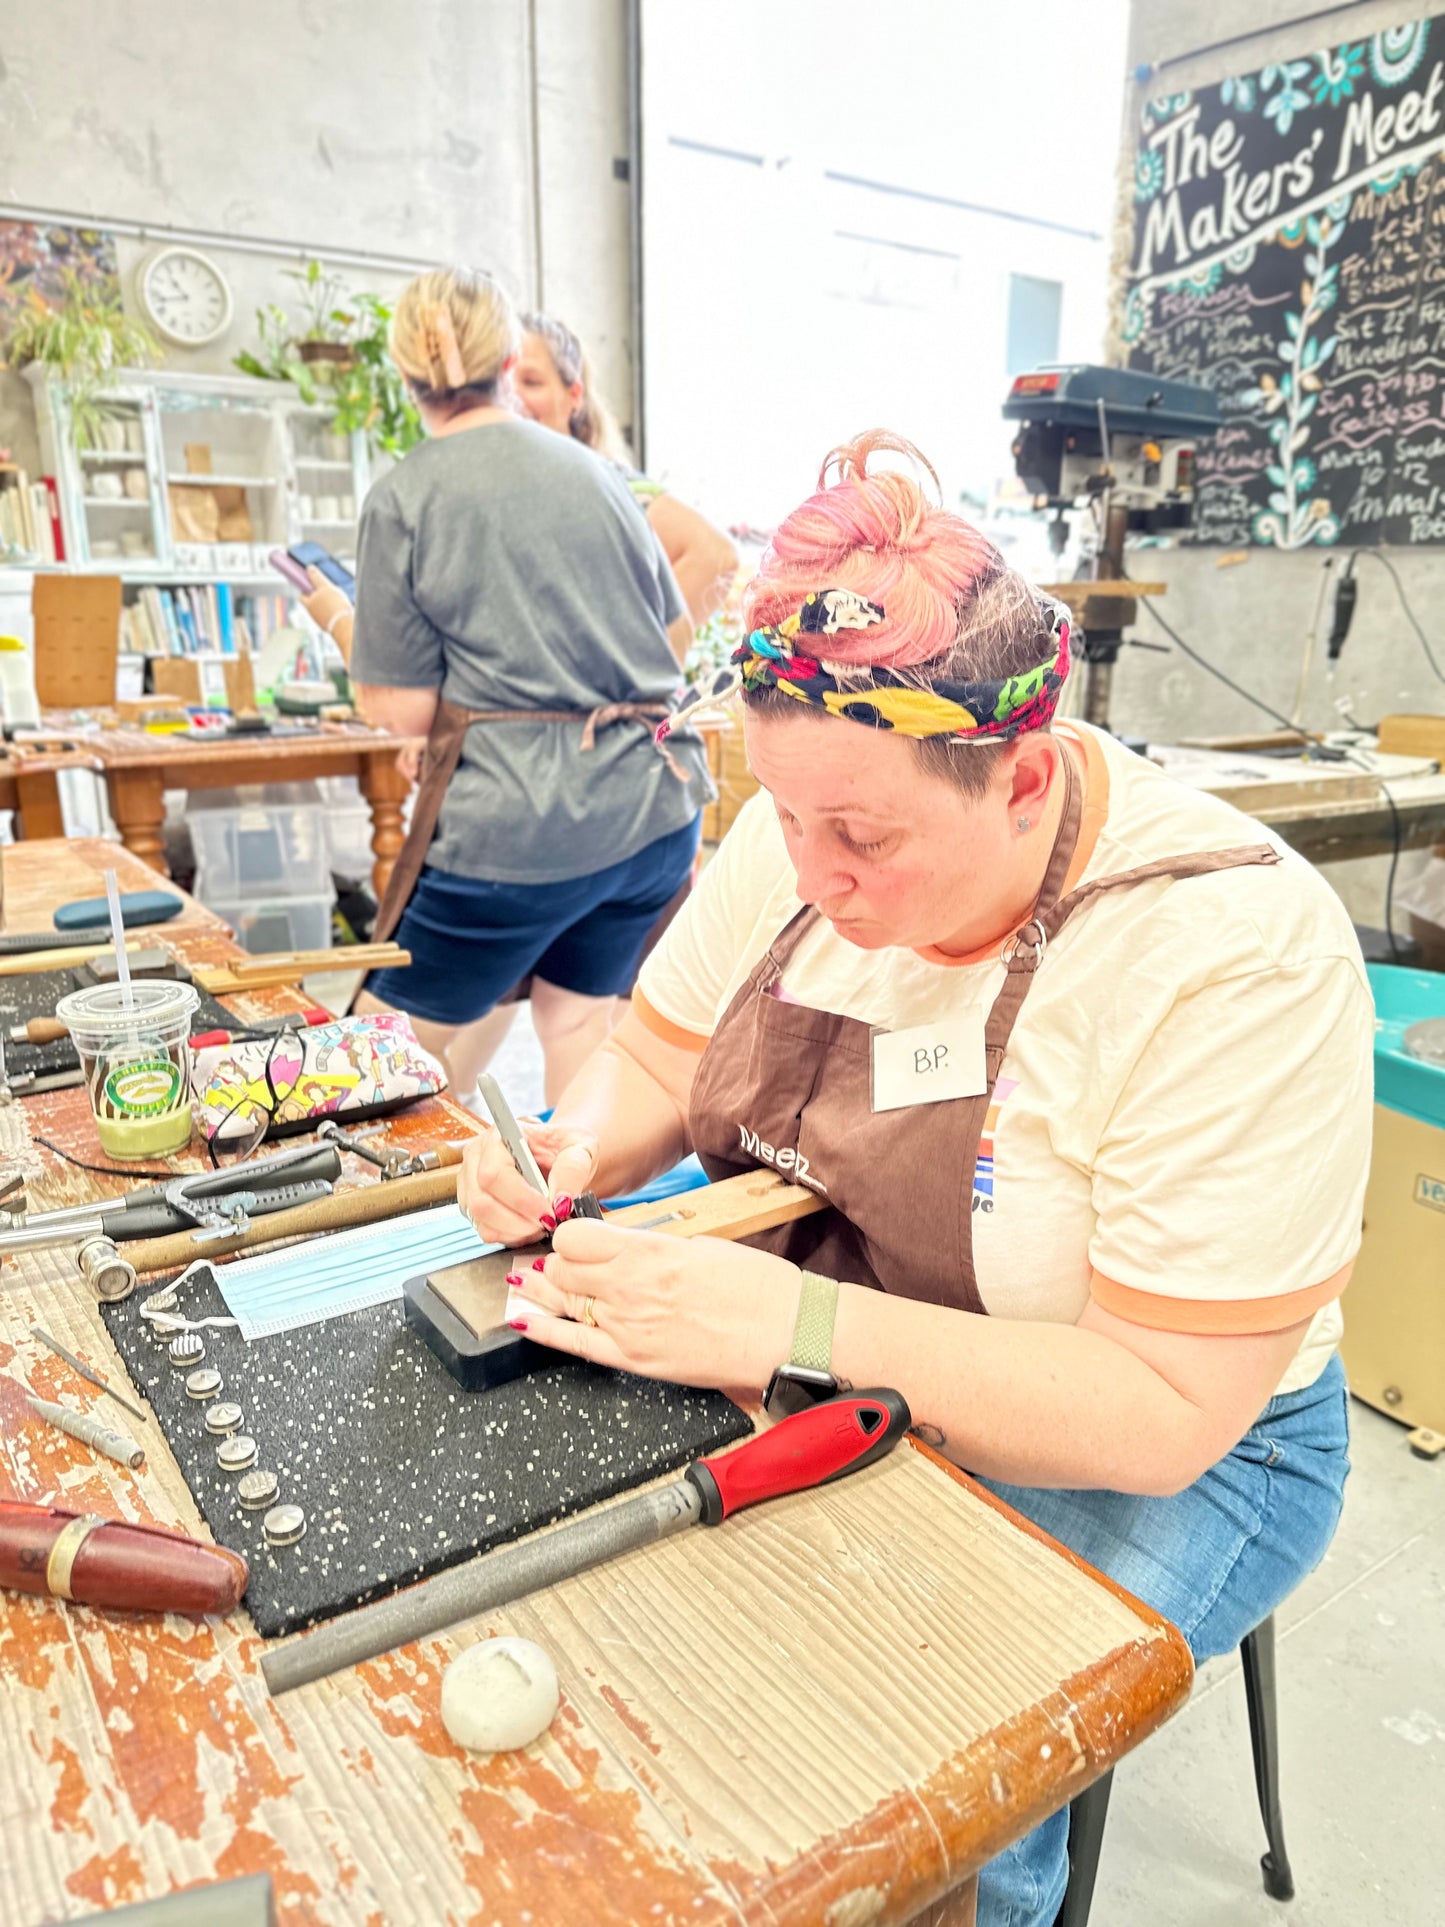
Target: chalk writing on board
{"x":1289,"y":251}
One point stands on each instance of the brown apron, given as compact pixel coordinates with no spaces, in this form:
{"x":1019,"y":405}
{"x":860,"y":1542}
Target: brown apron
{"x":438,"y":765}
{"x":787,"y":1086}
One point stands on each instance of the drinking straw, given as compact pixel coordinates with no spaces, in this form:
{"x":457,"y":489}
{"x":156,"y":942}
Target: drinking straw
{"x":117,"y":931}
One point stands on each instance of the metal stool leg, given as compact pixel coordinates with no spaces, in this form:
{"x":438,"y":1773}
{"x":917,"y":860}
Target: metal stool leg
{"x":1257,"y":1653}
{"x":1087,"y":1814}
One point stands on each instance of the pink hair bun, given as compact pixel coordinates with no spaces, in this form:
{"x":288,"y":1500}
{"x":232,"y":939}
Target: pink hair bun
{"x":881,"y":536}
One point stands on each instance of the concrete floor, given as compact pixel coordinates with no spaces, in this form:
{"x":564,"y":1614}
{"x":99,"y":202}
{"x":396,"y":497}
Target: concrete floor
{"x":1361,"y":1661}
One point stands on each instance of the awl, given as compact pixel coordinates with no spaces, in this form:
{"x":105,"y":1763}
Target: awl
{"x":839,"y":1436}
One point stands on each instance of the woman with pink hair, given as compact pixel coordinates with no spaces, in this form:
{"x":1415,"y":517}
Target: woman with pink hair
{"x":1079,"y":1061}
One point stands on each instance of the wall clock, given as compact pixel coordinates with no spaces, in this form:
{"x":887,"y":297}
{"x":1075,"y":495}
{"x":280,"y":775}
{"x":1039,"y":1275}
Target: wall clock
{"x":185,"y":296}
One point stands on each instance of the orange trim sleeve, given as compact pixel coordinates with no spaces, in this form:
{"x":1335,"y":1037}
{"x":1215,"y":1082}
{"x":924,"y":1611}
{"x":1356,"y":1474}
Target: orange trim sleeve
{"x":1215,"y":1317}
{"x":651,"y":1018}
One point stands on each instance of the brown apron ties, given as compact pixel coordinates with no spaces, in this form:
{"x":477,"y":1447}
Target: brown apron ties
{"x":438,"y":765}
{"x":790,"y":1087}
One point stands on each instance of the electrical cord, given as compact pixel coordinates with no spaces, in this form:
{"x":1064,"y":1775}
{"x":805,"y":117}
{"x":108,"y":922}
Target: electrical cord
{"x":106,"y":1170}
{"x":1374,"y":555}
{"x":1396,"y":828}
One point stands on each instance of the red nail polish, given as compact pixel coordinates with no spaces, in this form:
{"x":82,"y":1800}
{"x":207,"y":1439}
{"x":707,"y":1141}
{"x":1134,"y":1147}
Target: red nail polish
{"x":549,"y":1221}
{"x":514,"y":1279}
{"x":562,"y":1205}
{"x":517,"y":1324}
{"x":539,"y":1264}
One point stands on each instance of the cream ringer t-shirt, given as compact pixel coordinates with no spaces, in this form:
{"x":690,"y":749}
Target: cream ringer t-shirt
{"x":1183,"y":1116}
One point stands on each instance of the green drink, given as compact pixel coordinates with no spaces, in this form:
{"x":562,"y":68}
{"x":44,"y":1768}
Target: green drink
{"x":134,"y":1046}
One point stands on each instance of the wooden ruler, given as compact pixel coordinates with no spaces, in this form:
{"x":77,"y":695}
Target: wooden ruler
{"x":289,"y":967}
{"x":733,"y":1208}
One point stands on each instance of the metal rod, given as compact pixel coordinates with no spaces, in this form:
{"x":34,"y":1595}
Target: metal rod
{"x":53,"y":1237}
{"x":86,"y":1371}
{"x":482,"y":1586}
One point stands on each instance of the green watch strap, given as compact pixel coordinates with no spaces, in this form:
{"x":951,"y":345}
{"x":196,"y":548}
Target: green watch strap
{"x":813,"y":1333}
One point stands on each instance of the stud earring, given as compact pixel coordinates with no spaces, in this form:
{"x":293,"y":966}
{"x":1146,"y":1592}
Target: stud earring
{"x":1024,"y":824}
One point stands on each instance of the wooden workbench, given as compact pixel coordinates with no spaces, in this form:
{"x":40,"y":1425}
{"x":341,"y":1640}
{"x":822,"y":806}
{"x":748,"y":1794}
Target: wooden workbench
{"x":28,"y":786}
{"x":833,"y":1709}
{"x":139,"y":766}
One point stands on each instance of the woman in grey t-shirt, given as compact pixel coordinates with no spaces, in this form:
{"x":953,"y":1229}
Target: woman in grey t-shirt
{"x":509,"y":590}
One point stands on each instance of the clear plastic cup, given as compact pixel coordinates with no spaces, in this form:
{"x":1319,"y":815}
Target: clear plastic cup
{"x":136,"y":1063}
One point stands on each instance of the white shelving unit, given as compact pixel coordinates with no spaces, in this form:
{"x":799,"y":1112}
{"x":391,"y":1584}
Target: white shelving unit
{"x":124,"y":507}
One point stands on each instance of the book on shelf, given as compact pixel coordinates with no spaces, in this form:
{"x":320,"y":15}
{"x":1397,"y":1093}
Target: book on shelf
{"x":207,"y":619}
{"x":28,"y":528}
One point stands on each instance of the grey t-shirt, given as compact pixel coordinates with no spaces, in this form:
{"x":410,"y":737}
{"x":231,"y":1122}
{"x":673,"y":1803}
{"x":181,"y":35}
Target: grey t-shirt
{"x":508,"y":567}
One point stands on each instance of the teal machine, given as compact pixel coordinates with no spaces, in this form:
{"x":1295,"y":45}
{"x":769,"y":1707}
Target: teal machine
{"x":1394,"y":1344}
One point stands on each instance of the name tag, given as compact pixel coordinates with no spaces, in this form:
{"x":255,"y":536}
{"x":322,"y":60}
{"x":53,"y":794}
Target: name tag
{"x":930,"y":1063}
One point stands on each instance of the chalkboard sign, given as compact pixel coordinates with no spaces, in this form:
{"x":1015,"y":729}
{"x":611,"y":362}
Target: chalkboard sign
{"x":1289,"y":251}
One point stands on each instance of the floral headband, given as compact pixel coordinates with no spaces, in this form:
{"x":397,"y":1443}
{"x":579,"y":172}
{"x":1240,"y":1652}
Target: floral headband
{"x":900,"y":700}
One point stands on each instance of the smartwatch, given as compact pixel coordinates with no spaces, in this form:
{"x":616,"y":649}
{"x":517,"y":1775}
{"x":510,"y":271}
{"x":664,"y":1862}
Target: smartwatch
{"x":806,"y":1376}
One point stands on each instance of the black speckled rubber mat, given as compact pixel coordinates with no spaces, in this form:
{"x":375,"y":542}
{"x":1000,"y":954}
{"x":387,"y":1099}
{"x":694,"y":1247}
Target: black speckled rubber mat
{"x":400,"y":1472}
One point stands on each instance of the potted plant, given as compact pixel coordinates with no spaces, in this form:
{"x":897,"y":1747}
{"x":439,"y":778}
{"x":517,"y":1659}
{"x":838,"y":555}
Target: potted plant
{"x":370,"y":394}
{"x":361,"y":380}
{"x":85,"y":341}
{"x":327,"y":326}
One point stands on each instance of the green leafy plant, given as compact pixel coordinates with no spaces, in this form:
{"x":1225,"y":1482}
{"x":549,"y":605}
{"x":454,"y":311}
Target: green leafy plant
{"x":86,"y":340}
{"x":370,"y":395}
{"x":277,"y":360}
{"x":321,"y":295}
{"x":365,"y":390}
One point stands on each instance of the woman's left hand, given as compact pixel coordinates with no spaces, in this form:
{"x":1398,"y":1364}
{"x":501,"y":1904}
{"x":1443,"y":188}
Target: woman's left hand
{"x":698,"y":1311}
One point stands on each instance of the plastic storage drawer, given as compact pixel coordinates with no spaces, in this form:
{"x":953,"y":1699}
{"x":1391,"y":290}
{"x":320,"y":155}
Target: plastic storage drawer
{"x":259,"y":842}
{"x":279,"y":923}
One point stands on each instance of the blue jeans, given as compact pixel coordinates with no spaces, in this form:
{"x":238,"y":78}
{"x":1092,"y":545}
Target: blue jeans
{"x":1216,"y":1559}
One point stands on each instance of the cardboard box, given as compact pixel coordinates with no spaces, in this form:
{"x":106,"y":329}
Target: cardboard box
{"x":77,"y":640}
{"x":193,"y":679}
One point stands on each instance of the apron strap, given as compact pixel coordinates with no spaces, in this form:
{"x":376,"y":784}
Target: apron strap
{"x":438,"y":765}
{"x":1023,"y":952}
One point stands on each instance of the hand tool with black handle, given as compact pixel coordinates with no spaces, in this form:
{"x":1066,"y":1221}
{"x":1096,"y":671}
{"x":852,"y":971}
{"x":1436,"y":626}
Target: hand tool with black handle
{"x":193,"y":1200}
{"x":838,"y":1436}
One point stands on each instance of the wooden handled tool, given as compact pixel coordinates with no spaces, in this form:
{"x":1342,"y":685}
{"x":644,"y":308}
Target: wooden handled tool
{"x":110,"y":1562}
{"x":40,"y":1030}
{"x":339,"y":1212}
{"x":17,"y":964}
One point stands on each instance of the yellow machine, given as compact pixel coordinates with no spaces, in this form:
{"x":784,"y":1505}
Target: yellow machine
{"x":1394,"y":1344}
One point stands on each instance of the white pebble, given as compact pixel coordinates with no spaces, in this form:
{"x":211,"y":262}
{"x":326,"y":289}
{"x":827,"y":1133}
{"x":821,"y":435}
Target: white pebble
{"x":499,"y":1694}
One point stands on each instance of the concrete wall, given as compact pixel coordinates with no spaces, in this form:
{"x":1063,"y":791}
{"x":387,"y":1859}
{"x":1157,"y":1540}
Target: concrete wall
{"x":1252,"y":617}
{"x":356,"y":125}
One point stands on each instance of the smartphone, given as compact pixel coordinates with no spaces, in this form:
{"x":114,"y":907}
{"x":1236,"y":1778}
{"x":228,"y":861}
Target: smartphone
{"x":510,"y":1131}
{"x":311,"y":555}
{"x":293,"y":571}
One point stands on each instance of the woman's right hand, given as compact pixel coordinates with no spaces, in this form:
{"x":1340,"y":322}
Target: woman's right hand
{"x":498,"y":1199}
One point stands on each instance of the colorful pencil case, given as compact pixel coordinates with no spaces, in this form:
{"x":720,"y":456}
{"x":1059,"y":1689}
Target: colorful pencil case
{"x":275,"y":1086}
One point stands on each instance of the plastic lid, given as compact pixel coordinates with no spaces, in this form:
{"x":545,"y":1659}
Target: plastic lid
{"x":152,"y":1002}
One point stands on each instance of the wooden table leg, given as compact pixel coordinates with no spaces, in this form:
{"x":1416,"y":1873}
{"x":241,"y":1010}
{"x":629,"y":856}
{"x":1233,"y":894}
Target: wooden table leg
{"x":38,"y":804}
{"x":958,"y":1909}
{"x":138,"y":804}
{"x":386,"y":790}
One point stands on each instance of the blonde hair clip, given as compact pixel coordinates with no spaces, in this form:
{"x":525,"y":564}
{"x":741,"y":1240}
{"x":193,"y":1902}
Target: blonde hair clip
{"x":444,"y":356}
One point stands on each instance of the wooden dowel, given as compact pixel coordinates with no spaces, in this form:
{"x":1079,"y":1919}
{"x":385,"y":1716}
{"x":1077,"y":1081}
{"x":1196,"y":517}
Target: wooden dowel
{"x":366,"y":1205}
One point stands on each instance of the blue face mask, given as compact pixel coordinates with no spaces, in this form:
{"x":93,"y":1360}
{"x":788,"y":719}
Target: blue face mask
{"x":347,"y":1271}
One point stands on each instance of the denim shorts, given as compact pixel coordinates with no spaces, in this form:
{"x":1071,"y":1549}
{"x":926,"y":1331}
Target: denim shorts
{"x":471,"y":941}
{"x":1215,"y":1559}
